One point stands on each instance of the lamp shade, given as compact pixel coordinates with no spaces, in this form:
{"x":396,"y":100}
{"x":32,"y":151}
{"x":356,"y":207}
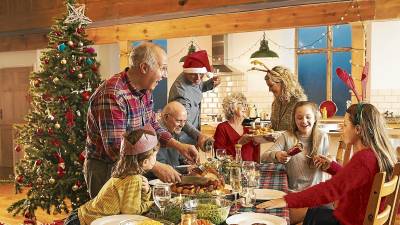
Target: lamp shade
{"x":264,"y":51}
{"x":191,"y":49}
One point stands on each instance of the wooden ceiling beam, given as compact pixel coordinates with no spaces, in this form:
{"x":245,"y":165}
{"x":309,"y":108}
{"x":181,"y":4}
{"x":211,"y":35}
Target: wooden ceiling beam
{"x":285,"y":17}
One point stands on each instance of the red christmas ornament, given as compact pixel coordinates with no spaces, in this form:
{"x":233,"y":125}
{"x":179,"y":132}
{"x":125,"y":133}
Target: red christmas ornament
{"x":71,"y":71}
{"x":58,"y":33}
{"x":80,"y":30}
{"x":29,"y":221}
{"x":89,"y":50}
{"x":82,"y":156}
{"x":94,"y":68}
{"x":85,"y":95}
{"x":70,"y":117}
{"x":19,"y":179}
{"x":18,"y":148}
{"x":78,"y":183}
{"x":50,"y":131}
{"x":39,"y":132}
{"x":63,"y":98}
{"x":56,"y":143}
{"x":38,"y":162}
{"x":46,"y":61}
{"x":60,"y":172}
{"x":46,"y":97}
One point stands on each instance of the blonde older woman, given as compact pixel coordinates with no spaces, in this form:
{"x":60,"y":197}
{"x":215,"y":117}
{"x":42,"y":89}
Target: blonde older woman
{"x":232,"y":132}
{"x":287,"y":92}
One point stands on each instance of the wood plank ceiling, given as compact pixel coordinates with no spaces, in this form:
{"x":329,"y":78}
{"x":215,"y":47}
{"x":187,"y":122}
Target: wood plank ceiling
{"x":122,"y":20}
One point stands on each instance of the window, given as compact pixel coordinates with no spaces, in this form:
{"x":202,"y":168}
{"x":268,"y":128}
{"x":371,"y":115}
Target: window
{"x":320,"y":51}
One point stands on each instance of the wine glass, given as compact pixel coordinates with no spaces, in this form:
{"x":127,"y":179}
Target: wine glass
{"x":161,"y":196}
{"x":221,"y":154}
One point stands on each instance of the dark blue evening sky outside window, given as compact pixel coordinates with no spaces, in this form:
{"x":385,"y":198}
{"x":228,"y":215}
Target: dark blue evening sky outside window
{"x":342,"y":36}
{"x":312,"y":67}
{"x":312,"y":76}
{"x":310,"y":35}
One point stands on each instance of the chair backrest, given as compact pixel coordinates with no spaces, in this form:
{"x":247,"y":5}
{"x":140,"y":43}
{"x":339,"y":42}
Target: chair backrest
{"x":344,"y":153}
{"x":380,"y":189}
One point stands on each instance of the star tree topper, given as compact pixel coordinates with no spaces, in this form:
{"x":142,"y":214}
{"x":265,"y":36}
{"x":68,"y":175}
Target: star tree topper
{"x":77,"y":14}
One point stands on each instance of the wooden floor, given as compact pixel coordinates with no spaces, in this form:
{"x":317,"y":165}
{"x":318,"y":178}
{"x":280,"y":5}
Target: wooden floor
{"x":8,"y":196}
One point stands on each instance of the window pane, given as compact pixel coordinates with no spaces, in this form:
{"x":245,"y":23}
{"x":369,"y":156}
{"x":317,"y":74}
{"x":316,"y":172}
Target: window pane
{"x":342,"y":36}
{"x":340,"y":92}
{"x":312,"y":37}
{"x":312,"y":76}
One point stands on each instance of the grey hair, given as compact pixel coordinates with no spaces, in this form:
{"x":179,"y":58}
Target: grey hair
{"x":146,"y":52}
{"x":229,"y":104}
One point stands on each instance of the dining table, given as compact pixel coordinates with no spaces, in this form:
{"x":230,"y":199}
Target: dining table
{"x":272,"y":176}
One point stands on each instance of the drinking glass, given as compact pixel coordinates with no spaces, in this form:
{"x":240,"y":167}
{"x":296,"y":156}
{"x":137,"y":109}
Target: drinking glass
{"x":249,"y":197}
{"x":221,"y":154}
{"x":161,"y":196}
{"x":249,"y":172}
{"x":235,"y":178}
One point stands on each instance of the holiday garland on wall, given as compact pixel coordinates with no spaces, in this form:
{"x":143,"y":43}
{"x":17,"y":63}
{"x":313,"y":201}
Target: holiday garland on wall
{"x":54,"y":134}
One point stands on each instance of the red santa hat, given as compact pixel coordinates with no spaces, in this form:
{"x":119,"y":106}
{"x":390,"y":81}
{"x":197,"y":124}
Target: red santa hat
{"x":197,"y":62}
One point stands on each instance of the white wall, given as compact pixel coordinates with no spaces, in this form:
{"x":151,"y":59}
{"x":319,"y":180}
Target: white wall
{"x":385,"y":72}
{"x":178,"y":47}
{"x":385,"y":49}
{"x":20,"y":59}
{"x":244,"y":44}
{"x":108,"y":56}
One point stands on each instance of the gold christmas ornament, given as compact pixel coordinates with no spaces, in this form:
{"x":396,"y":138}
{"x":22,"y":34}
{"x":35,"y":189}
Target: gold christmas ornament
{"x":52,"y":181}
{"x":80,"y":44}
{"x":55,"y":80}
{"x":70,"y":43}
{"x":80,"y":76}
{"x":57,"y":126}
{"x":75,"y":187}
{"x":63,"y":61}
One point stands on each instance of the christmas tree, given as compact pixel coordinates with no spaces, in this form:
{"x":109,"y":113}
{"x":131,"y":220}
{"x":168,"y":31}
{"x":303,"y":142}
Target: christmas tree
{"x":54,"y":134}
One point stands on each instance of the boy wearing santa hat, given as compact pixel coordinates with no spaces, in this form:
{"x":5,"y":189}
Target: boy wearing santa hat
{"x":188,"y":88}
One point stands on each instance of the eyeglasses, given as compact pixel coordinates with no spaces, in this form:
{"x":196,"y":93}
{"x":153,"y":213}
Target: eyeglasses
{"x":164,"y":70}
{"x":178,"y":121}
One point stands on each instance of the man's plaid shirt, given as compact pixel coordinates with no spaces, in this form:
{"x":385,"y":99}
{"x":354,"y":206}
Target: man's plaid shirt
{"x":114,"y":108}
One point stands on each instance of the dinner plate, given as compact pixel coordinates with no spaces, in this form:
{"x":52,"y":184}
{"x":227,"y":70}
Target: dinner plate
{"x":155,"y":181}
{"x":268,"y":194}
{"x":117,"y":219}
{"x":249,"y":218}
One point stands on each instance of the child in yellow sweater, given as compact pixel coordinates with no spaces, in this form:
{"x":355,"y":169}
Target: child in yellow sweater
{"x":127,"y":191}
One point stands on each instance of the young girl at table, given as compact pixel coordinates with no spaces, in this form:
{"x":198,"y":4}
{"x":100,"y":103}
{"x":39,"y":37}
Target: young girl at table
{"x":127,"y":191}
{"x":364,"y":129}
{"x":300,"y":168}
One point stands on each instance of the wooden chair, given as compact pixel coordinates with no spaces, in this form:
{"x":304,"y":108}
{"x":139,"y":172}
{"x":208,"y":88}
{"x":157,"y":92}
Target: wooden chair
{"x":344,"y":153}
{"x":381,"y":189}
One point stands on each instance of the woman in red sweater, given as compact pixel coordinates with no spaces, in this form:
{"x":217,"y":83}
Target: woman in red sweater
{"x":232,"y":132}
{"x":364,"y":128}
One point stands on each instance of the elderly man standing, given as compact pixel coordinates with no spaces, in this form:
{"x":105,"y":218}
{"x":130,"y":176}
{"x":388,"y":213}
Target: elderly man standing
{"x":188,"y":88}
{"x":123,"y":103}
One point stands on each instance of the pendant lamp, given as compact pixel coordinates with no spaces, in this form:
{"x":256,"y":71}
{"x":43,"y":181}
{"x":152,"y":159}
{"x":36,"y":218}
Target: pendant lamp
{"x":264,"y":51}
{"x":191,"y":49}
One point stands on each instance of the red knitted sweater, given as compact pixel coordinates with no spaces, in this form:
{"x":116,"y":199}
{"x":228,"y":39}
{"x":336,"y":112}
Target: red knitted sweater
{"x":351,"y":185}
